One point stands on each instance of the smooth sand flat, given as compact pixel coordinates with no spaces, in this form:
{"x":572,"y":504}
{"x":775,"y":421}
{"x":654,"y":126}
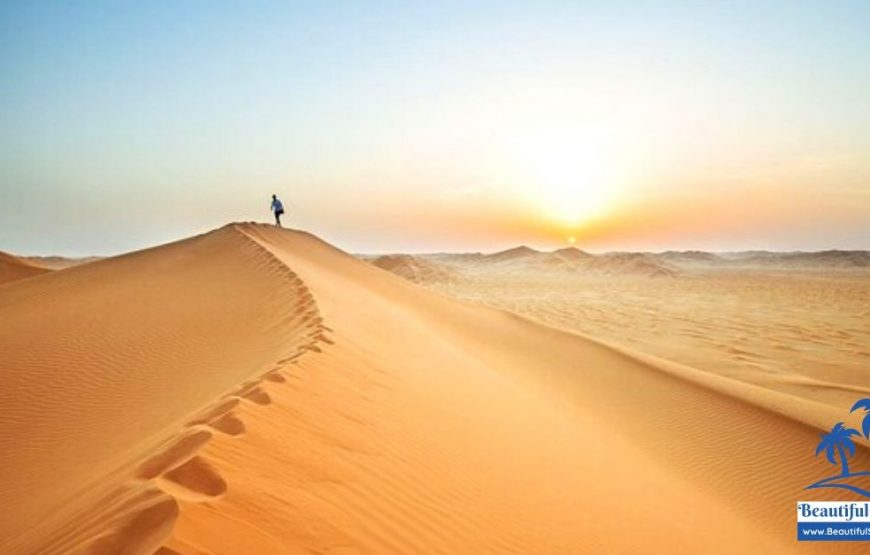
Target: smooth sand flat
{"x":804,"y":331}
{"x":257,"y":391}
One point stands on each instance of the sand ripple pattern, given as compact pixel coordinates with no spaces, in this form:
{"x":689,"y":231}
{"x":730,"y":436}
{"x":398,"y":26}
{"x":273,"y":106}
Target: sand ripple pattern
{"x":125,"y":389}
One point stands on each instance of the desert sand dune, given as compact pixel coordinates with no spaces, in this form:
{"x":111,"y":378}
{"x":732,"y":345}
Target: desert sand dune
{"x":520,"y":260}
{"x":105,"y":367}
{"x":259,"y":391}
{"x":13,"y":268}
{"x":802,"y":332}
{"x":631,"y":264}
{"x":831,"y":259}
{"x":690,"y":258}
{"x":417,"y":269}
{"x":661,"y":264}
{"x":60,"y":262}
{"x":516,"y":253}
{"x":573,"y":253}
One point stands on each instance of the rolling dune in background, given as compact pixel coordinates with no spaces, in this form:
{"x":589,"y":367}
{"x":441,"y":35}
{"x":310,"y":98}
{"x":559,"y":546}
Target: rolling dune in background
{"x":257,"y":391}
{"x":13,"y":268}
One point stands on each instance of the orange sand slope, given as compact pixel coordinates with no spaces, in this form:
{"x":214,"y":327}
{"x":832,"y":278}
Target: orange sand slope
{"x":257,"y":391}
{"x":13,"y":268}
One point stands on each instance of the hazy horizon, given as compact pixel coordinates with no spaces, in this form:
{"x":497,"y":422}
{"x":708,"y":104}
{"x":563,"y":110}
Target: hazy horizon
{"x":452,"y":128}
{"x":541,"y":247}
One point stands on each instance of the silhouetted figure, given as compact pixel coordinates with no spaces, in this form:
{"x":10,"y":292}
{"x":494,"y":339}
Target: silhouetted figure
{"x":277,"y":209}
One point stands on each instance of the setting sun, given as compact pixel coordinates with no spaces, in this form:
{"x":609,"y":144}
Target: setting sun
{"x":569,"y":174}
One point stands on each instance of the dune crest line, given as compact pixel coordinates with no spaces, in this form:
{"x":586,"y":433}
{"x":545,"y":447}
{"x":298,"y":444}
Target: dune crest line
{"x":261,"y":317}
{"x":185,"y":475}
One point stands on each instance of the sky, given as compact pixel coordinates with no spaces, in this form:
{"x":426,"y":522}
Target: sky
{"x":437,"y":126}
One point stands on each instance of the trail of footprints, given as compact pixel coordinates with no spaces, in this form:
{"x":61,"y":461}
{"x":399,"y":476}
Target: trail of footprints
{"x":178,"y":472}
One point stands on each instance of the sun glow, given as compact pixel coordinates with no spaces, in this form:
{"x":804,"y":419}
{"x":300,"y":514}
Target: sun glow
{"x":570,"y":175}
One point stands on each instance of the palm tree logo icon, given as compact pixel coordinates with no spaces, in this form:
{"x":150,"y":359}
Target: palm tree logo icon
{"x":838,"y":440}
{"x":865,"y":425}
{"x":838,"y":445}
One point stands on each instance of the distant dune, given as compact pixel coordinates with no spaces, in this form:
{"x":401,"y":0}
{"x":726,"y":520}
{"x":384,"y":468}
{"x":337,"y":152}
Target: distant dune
{"x":631,"y":263}
{"x":835,"y":259}
{"x":13,"y":268}
{"x":416,"y":269}
{"x":572,"y":253}
{"x":511,"y":255}
{"x":567,"y":260}
{"x":690,"y":258}
{"x":655,"y":265}
{"x":254,"y":390}
{"x":60,"y":262}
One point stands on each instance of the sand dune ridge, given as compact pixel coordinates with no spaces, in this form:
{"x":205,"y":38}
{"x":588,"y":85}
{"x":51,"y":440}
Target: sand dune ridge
{"x":179,"y":390}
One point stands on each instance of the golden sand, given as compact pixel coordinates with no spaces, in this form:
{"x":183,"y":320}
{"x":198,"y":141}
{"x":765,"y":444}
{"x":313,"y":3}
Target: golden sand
{"x":257,"y":391}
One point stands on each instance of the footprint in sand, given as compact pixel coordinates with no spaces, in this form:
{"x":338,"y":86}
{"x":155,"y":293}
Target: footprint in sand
{"x":216,"y":411}
{"x":228,"y":424}
{"x":195,"y":480}
{"x":182,"y":449}
{"x":142,"y":530}
{"x":275,"y":377}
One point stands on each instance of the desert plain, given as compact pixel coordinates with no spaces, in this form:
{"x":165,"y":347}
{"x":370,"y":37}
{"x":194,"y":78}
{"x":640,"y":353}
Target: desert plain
{"x":258,"y":391}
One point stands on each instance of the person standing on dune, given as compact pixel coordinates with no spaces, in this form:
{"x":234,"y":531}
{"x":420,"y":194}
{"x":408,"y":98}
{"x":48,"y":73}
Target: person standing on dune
{"x":277,"y":209}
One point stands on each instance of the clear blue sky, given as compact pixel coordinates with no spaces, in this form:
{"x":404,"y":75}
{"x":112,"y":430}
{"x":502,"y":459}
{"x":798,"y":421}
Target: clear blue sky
{"x":436,"y":126}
